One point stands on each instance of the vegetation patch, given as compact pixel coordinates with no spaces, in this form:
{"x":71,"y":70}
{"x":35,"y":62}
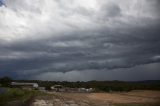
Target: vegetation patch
{"x":17,"y":96}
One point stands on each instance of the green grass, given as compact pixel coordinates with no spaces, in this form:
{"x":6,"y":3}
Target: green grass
{"x":18,"y":95}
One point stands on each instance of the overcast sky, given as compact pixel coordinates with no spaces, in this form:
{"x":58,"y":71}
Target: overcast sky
{"x":80,"y":39}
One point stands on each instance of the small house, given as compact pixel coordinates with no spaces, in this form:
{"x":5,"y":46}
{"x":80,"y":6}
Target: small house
{"x":57,"y":88}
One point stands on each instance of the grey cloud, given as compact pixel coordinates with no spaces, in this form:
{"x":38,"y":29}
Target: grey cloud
{"x":74,"y":38}
{"x":110,"y":10}
{"x":143,"y":72}
{"x":105,"y":52}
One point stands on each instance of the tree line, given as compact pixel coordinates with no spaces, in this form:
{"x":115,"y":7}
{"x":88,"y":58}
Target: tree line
{"x":100,"y":86}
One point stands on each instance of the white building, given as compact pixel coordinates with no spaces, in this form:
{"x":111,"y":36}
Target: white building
{"x":25,"y":85}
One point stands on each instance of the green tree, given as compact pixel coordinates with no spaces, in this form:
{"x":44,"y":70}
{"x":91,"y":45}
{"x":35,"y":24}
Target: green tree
{"x":5,"y":81}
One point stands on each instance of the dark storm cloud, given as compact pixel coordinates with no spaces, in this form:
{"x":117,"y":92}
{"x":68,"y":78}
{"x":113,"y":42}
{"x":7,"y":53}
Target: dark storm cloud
{"x":102,"y":51}
{"x":128,"y":74}
{"x":111,"y":36}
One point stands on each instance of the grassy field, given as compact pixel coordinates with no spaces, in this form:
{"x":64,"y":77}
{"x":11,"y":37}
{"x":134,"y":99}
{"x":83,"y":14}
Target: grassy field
{"x":17,"y":97}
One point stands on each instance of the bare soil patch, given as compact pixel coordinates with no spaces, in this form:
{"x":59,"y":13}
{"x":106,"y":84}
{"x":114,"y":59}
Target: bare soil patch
{"x":97,"y":99}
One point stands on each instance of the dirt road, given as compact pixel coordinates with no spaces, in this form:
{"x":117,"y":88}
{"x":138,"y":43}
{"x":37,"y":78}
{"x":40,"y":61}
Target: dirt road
{"x":97,"y":99}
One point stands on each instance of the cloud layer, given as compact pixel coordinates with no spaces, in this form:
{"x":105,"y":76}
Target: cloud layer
{"x":52,"y":37}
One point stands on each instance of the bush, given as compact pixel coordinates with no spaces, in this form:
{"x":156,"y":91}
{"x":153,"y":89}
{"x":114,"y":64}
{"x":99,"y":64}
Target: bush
{"x":18,"y":95}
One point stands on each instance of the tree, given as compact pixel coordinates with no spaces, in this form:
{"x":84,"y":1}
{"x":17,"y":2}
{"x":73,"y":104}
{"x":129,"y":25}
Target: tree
{"x":5,"y":81}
